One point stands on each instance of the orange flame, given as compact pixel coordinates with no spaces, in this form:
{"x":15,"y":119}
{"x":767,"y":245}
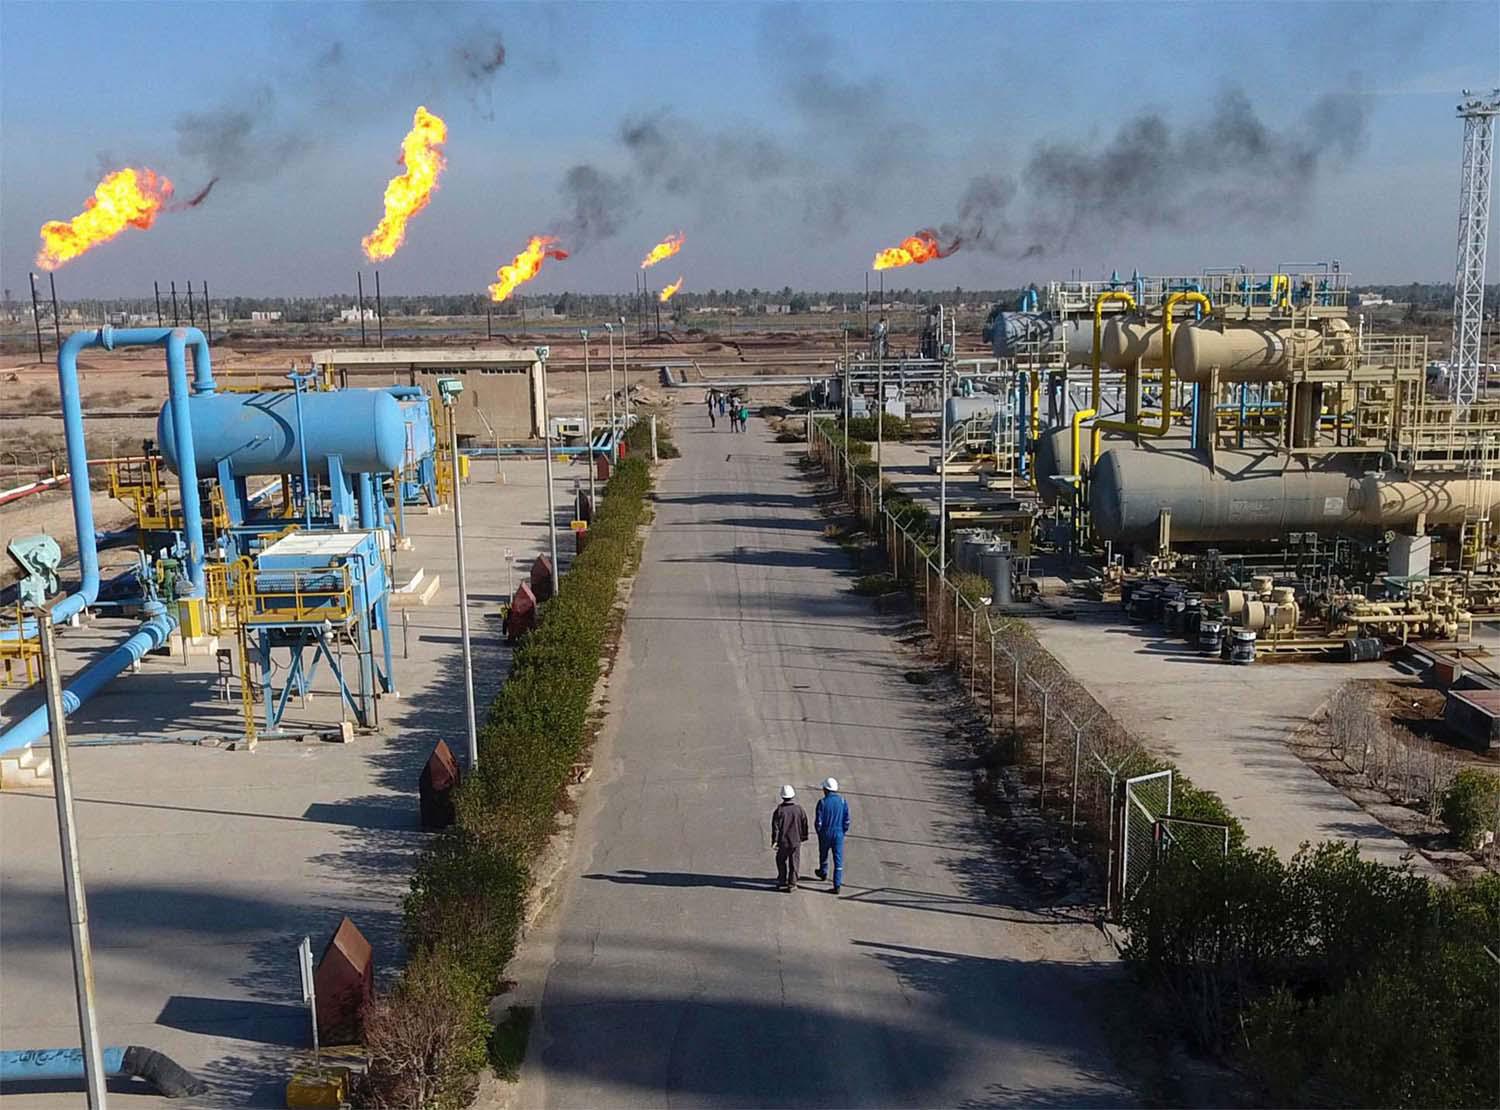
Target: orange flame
{"x":666,"y":294}
{"x":919,"y":248}
{"x":125,"y":197}
{"x":665,"y":249}
{"x":525,"y":266}
{"x":408,"y":194}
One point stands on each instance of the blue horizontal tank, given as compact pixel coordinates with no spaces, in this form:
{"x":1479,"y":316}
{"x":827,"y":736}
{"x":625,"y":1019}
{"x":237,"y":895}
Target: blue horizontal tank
{"x":257,"y":432}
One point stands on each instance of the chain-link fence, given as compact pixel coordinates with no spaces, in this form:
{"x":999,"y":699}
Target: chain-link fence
{"x":1074,"y":753}
{"x":1148,"y":799}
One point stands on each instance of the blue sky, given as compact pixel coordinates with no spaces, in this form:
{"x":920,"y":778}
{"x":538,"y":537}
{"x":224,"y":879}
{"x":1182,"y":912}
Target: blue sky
{"x":806,"y":137}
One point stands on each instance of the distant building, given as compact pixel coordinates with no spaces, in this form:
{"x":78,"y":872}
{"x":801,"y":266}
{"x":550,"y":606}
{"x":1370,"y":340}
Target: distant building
{"x":347,"y":315}
{"x":266,"y":317}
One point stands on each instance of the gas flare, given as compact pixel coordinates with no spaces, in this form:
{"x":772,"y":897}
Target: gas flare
{"x":665,"y":249}
{"x":525,"y":265}
{"x":919,"y":248}
{"x":408,"y":194}
{"x":666,"y":294}
{"x":126,"y":197}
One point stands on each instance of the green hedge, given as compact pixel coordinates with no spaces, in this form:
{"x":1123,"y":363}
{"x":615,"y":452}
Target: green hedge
{"x":1335,"y":980}
{"x":865,"y":428}
{"x":464,"y":911}
{"x":1469,"y":806}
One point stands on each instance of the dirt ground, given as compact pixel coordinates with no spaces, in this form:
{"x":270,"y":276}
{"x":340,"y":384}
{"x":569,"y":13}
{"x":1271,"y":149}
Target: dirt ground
{"x":1415,"y":759}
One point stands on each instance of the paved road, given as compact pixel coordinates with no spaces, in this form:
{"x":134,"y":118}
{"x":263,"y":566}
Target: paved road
{"x":675,"y":973}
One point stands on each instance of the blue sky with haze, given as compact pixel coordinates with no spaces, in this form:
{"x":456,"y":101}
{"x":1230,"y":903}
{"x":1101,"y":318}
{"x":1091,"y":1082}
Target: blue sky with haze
{"x":789,"y":143}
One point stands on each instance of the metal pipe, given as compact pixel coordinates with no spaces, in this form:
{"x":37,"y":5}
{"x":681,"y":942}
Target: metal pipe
{"x":208,"y":316}
{"x":156,"y":292}
{"x":36,"y":318}
{"x":67,"y":835}
{"x":1140,"y":427}
{"x":150,"y":636}
{"x":56,"y":319}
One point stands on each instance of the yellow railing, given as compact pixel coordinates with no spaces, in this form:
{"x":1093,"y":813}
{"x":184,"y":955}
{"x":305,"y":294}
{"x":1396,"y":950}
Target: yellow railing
{"x":23,"y":653}
{"x":293,"y":597}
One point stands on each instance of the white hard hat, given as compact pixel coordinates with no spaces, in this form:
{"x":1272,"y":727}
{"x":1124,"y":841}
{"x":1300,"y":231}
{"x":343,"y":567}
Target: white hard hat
{"x":830,"y":783}
{"x":787,"y":793}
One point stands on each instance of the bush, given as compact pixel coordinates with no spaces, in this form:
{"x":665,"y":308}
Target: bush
{"x":638,"y":437}
{"x":865,"y":428}
{"x":426,"y":1037}
{"x":875,"y":585}
{"x":1469,"y":806}
{"x":463,"y":914}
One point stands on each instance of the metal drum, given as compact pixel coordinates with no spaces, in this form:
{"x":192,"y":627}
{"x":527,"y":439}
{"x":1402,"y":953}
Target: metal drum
{"x":1174,"y":611}
{"x":1363,"y":649}
{"x":1210,"y":636}
{"x":1192,"y":616}
{"x":1143,"y":603}
{"x":1242,"y":646}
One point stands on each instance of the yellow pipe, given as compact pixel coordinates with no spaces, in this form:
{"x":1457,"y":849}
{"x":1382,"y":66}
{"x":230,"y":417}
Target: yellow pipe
{"x":1078,"y":418}
{"x":1284,"y":283}
{"x":1141,"y":427}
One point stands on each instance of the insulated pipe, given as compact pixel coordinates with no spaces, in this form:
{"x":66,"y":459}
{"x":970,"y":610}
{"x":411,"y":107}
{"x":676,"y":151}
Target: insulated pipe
{"x":53,"y":1064}
{"x":150,"y":636}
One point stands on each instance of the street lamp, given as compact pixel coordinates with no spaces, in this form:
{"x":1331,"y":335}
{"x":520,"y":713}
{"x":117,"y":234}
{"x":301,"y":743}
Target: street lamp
{"x":541,"y":355}
{"x":448,"y":390}
{"x":614,"y":430}
{"x":625,"y":370}
{"x":588,"y":413}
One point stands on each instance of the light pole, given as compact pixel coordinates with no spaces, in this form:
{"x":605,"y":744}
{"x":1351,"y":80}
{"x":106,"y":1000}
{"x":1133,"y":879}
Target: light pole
{"x":880,"y":428}
{"x":78,"y":912}
{"x":588,"y":413}
{"x":448,"y":390}
{"x":625,"y":371}
{"x":943,"y":475}
{"x":613,"y":428}
{"x":541,"y":355}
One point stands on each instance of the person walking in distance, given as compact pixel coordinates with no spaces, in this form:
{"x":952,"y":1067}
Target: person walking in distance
{"x":744,"y":415}
{"x":788,"y":831}
{"x":712,"y":404}
{"x":831,"y":819}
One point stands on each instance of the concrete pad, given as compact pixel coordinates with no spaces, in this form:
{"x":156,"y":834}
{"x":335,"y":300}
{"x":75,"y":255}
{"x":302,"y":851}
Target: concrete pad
{"x":204,"y":867}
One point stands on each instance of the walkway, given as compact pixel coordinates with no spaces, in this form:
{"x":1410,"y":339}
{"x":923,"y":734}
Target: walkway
{"x":676,"y":974}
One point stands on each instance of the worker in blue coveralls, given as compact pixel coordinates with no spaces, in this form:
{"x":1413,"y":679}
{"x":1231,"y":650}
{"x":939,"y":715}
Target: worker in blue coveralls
{"x":831,"y":822}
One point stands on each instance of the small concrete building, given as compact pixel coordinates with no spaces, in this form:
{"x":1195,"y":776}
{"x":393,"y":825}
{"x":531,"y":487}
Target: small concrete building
{"x":502,"y":397}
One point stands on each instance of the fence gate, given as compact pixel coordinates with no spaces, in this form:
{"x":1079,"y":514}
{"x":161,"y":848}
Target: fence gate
{"x":1148,"y":798}
{"x":1198,"y":842}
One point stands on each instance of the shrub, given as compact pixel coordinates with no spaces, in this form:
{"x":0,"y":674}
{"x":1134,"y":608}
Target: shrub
{"x":1469,"y":806}
{"x":865,"y":428}
{"x":463,"y":914}
{"x":875,"y":585}
{"x":426,"y":1037}
{"x":508,"y":1042}
{"x":638,"y":437}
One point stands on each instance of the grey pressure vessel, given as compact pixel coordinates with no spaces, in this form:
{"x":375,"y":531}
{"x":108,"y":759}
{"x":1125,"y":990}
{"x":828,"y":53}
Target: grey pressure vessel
{"x":257,"y":432}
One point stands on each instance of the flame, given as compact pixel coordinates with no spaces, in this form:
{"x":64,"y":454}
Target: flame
{"x":919,"y":248}
{"x":127,"y":196}
{"x":665,"y":249}
{"x":525,"y":266}
{"x":666,"y":294}
{"x":409,"y":193}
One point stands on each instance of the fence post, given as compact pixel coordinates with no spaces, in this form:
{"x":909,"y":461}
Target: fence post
{"x":973,"y":650}
{"x":1077,"y":757}
{"x":957,"y":663}
{"x":1041,"y":794}
{"x":992,"y":674}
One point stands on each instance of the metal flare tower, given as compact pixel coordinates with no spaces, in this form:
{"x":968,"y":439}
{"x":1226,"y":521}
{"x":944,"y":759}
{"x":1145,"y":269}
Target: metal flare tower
{"x":1478,"y":114}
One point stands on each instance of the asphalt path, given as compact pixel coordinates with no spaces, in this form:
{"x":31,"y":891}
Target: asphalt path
{"x":675,"y":972}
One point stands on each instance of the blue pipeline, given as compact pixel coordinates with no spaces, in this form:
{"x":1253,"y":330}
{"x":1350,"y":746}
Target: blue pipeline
{"x":150,"y":636}
{"x":54,"y":1063}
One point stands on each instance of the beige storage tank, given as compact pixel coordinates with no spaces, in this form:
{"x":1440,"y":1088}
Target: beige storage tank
{"x":1126,"y":340}
{"x":1256,"y":352}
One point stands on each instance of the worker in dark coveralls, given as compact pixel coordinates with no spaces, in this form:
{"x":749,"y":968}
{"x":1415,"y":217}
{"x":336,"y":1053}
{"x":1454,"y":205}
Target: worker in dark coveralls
{"x":788,"y":831}
{"x":832,"y":822}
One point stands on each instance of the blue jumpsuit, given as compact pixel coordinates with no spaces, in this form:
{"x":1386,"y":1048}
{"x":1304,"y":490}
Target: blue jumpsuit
{"x":832,"y":822}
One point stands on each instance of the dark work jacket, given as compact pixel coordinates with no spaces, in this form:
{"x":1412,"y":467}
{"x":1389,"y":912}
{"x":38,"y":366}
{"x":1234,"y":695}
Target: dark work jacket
{"x":788,"y":825}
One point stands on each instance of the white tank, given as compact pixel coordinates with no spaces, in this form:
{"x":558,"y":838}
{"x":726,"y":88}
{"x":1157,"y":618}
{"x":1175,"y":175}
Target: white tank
{"x":1255,"y":352}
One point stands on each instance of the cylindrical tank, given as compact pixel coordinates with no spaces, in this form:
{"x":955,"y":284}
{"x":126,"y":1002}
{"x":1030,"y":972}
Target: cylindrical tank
{"x":1256,"y":352}
{"x":1019,"y":334}
{"x":1242,"y":646}
{"x":1262,"y":615}
{"x":997,"y":565}
{"x":1054,"y":455}
{"x":1125,"y":340}
{"x":257,"y":432}
{"x":965,"y":408}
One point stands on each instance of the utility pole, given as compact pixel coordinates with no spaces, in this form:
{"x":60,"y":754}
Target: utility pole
{"x":448,"y":390}
{"x":156,"y":289}
{"x":359,"y":280}
{"x":56,"y":320}
{"x":943,"y":475}
{"x":379,"y":312}
{"x":67,"y":834}
{"x":541,"y":354}
{"x":588,"y":414}
{"x":36,"y":318}
{"x":614,"y":430}
{"x":625,"y":370}
{"x":1478,"y":114}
